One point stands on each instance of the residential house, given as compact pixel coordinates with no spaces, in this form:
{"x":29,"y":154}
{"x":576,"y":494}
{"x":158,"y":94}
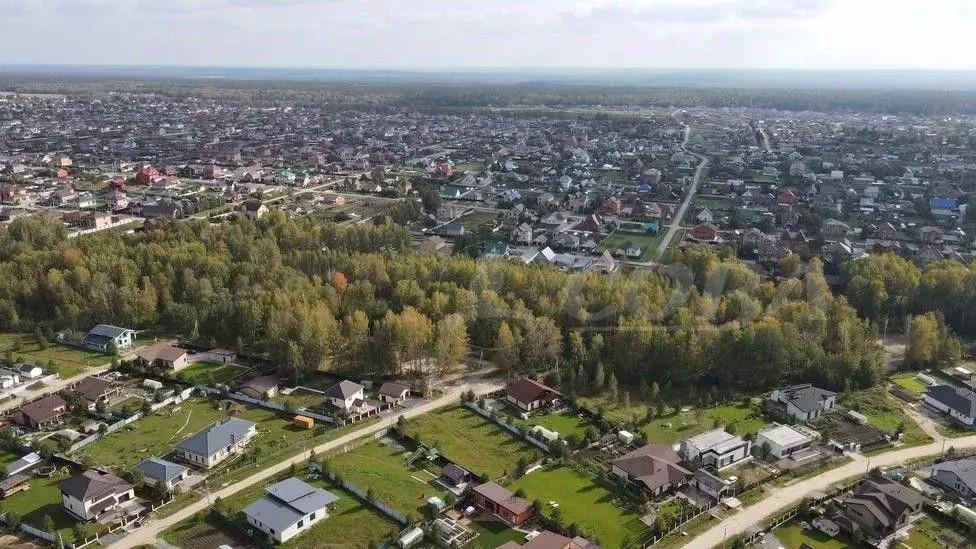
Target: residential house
{"x":161,"y":472}
{"x":348,"y":397}
{"x":711,"y":485}
{"x":550,"y":540}
{"x":631,"y":250}
{"x":522,"y":234}
{"x":502,"y":503}
{"x":222,"y":356}
{"x":705,"y":216}
{"x":94,"y":494}
{"x":163,"y":355}
{"x":166,"y":209}
{"x":881,"y":507}
{"x":591,"y":224}
{"x":103,"y":337}
{"x":451,"y":229}
{"x":261,"y":387}
{"x":705,"y":232}
{"x":332,"y":199}
{"x":254,"y":209}
{"x":803,"y":402}
{"x":715,"y":448}
{"x":604,"y":264}
{"x":528,"y":395}
{"x":289,"y":508}
{"x":958,"y":476}
{"x":394,"y":393}
{"x":216,"y":442}
{"x":95,"y":390}
{"x":653,"y":468}
{"x":42,"y":413}
{"x":783,"y":440}
{"x":454,"y":476}
{"x":433,"y":244}
{"x":834,"y":228}
{"x":27,"y":371}
{"x":957,"y":402}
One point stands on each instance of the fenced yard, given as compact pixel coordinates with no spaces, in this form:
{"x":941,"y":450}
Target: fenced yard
{"x":381,"y":468}
{"x":582,"y":500}
{"x":209,"y":373}
{"x":648,"y":243}
{"x":41,"y":500}
{"x":884,"y":413}
{"x":563,"y":423}
{"x":68,"y":361}
{"x":471,"y":441}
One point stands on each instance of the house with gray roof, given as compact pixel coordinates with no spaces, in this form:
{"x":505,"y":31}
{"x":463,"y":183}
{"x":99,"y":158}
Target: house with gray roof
{"x":958,"y":476}
{"x":216,"y":442}
{"x":101,"y":338}
{"x":160,"y":471}
{"x":803,"y":402}
{"x":288,"y":508}
{"x":715,"y":448}
{"x":959,"y":403}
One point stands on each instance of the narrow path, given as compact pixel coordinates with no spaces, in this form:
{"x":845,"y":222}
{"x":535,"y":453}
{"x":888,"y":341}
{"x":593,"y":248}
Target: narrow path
{"x":180,"y":430}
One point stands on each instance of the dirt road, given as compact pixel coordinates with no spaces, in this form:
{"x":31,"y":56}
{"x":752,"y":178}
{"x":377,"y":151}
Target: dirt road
{"x":780,"y":499}
{"x":148,"y":533}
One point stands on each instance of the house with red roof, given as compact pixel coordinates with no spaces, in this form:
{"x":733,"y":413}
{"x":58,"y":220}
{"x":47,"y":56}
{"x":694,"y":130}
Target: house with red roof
{"x":528,"y":395}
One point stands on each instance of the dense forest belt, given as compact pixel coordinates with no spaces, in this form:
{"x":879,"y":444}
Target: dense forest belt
{"x":319,"y":296}
{"x":465,"y":97}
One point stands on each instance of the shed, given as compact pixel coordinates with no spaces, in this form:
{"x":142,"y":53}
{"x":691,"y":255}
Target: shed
{"x":152,"y":384}
{"x":925,"y":379}
{"x":545,"y":433}
{"x":303,"y":421}
{"x":625,"y":436}
{"x":857,"y":417}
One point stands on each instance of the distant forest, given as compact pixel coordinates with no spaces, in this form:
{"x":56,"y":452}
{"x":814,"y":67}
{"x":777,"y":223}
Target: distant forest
{"x":462,"y":97}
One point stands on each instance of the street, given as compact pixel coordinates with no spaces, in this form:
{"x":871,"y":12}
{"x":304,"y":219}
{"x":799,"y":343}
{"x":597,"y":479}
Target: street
{"x":781,"y":499}
{"x":151,"y":530}
{"x":683,"y":208}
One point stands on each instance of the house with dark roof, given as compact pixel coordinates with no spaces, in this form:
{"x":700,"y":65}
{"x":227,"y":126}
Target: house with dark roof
{"x":958,"y":476}
{"x":958,"y":403}
{"x":288,"y":508}
{"x":41,"y":413}
{"x":96,"y":390}
{"x":550,"y":540}
{"x":348,"y":397}
{"x":159,"y":471}
{"x":881,"y":507}
{"x":528,"y":395}
{"x":502,"y":503}
{"x":803,"y":402}
{"x":163,"y":355}
{"x":454,"y":476}
{"x":393,"y":393}
{"x":261,"y":387}
{"x":94,"y":494}
{"x":216,"y":442}
{"x":653,"y":468}
{"x":102,"y":337}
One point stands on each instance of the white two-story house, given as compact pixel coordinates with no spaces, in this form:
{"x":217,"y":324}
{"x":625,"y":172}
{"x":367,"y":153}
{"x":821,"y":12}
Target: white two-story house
{"x":92,"y":494}
{"x":348,"y":397}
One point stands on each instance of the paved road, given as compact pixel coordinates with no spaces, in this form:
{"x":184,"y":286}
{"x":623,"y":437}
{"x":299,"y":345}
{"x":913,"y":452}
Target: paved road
{"x":780,"y":499}
{"x":680,"y":214}
{"x":148,"y":533}
{"x":765,"y":139}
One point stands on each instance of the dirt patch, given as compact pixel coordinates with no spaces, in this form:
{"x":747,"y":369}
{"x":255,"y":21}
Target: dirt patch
{"x":8,"y":541}
{"x":210,"y":537}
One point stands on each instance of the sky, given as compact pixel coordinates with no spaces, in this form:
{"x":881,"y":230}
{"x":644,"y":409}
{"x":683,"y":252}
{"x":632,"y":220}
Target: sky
{"x":369,"y":34}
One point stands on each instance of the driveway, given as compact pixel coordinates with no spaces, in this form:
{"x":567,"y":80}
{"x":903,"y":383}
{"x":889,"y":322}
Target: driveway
{"x":780,"y":499}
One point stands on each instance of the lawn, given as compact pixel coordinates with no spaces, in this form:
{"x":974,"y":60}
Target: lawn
{"x":563,"y":423}
{"x":300,"y":398}
{"x":693,"y":527}
{"x":6,"y":458}
{"x":381,"y":468}
{"x":68,"y":361}
{"x":793,"y":535}
{"x":206,"y":373}
{"x":491,"y":534}
{"x":908,"y":382}
{"x":350,"y":524}
{"x":471,"y":441}
{"x":672,"y":427}
{"x":885,"y":413}
{"x":43,"y":498}
{"x":581,"y":500}
{"x":930,"y":533}
{"x":474,"y":220}
{"x":156,"y":434}
{"x":646,"y":241}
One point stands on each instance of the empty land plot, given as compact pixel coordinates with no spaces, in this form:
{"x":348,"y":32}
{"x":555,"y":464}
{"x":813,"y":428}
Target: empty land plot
{"x":351,"y":523}
{"x":471,"y":441}
{"x":583,"y":501}
{"x":910,"y":383}
{"x":794,"y":536}
{"x":380,"y":468}
{"x":68,"y":361}
{"x":300,"y":398}
{"x":649,"y":243}
{"x":885,"y":413}
{"x":206,"y":373}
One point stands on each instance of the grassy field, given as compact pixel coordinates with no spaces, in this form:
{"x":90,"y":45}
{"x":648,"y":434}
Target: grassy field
{"x":693,"y":527}
{"x":582,"y":501}
{"x":43,"y":498}
{"x":471,"y":441}
{"x":474,"y":220}
{"x":156,"y":434}
{"x":381,"y":468}
{"x":491,"y":534}
{"x":793,"y":535}
{"x":201,"y":373}
{"x":68,"y":361}
{"x":300,"y":399}
{"x":350,"y":524}
{"x":908,"y":382}
{"x":931,"y":533}
{"x":646,"y":241}
{"x":672,"y":428}
{"x":562,"y":423}
{"x":885,"y":413}
{"x":6,"y":458}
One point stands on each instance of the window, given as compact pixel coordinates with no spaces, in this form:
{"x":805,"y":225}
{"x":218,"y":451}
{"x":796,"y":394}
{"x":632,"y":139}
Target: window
{"x":301,"y":523}
{"x":312,"y":516}
{"x":271,"y":530}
